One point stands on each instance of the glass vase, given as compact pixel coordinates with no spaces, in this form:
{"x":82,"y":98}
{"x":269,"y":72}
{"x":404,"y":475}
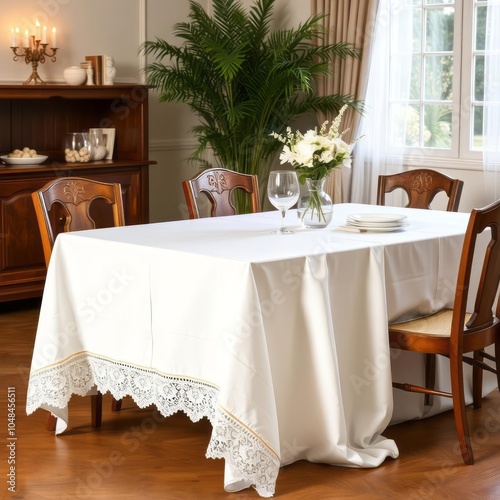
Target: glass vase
{"x":77,"y":147}
{"x":97,"y":144}
{"x":315,"y":207}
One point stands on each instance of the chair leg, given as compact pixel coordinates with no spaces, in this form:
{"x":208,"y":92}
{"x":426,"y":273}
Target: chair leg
{"x":457,"y":391}
{"x":497,"y":362}
{"x":116,"y":404}
{"x":477,"y":382}
{"x":96,"y":409}
{"x":430,"y":377}
{"x":51,"y":423}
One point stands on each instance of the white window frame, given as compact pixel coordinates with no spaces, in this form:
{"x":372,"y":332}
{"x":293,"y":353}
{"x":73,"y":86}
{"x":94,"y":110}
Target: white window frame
{"x":459,"y":156}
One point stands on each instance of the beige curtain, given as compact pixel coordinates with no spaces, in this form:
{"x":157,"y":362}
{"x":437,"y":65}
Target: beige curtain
{"x":347,"y":21}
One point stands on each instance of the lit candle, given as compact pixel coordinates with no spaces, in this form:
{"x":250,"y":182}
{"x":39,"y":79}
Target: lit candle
{"x":54,"y":44}
{"x":26,"y":37}
{"x":17,"y":38}
{"x":12,"y":38}
{"x":37,"y":24}
{"x":44,"y":34}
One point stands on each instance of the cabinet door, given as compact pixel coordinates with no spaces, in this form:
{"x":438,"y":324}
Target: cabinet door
{"x":21,"y":253}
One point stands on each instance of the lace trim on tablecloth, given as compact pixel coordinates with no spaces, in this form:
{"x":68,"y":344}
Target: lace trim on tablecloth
{"x":248,"y":456}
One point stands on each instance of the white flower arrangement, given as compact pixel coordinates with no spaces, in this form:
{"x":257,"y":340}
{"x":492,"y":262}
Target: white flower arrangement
{"x":316,"y":153}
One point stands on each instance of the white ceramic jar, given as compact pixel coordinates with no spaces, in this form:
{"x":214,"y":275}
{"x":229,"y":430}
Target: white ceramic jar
{"x":74,"y":75}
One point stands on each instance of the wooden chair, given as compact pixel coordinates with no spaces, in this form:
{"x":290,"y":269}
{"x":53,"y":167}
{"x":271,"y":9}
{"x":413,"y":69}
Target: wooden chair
{"x":218,"y":184}
{"x":64,"y":205}
{"x":454,"y":332}
{"x":421,"y":186}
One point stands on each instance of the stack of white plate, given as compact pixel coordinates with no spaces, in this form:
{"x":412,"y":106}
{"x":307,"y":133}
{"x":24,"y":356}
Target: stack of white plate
{"x":376,"y":222}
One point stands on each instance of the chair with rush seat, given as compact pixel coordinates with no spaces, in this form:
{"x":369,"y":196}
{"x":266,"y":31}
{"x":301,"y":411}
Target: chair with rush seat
{"x":218,"y":185}
{"x":421,"y":186}
{"x":454,"y":332}
{"x":64,"y":205}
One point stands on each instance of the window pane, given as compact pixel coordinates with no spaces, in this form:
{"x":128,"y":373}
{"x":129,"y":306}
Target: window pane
{"x":439,"y":29}
{"x":477,"y":139}
{"x":444,"y":69}
{"x":400,"y":4}
{"x":479,"y":78}
{"x":416,"y":72}
{"x":438,"y":77}
{"x":417,"y":30}
{"x":480,"y":27}
{"x":400,"y":66}
{"x":439,"y":2}
{"x":400,"y":41}
{"x":437,"y":126}
{"x":405,"y":124}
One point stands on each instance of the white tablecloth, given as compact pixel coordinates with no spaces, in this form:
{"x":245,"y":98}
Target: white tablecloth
{"x":281,"y":341}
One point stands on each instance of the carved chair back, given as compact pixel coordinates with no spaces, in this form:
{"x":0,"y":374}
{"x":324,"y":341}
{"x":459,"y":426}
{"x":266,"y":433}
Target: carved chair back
{"x":421,"y":186}
{"x":74,"y":204}
{"x":218,"y":185}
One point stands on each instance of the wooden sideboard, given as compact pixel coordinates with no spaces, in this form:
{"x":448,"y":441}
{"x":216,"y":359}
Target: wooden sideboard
{"x":39,"y":117}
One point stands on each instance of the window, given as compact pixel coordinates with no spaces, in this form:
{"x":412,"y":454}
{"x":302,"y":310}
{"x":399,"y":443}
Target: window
{"x":438,"y":110}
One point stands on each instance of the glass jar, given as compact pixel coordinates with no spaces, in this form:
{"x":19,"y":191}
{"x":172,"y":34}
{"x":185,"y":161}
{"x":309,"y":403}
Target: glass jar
{"x":77,"y":147}
{"x":97,"y":144}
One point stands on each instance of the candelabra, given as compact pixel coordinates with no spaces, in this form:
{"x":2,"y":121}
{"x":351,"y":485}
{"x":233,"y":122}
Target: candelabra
{"x":35,"y":53}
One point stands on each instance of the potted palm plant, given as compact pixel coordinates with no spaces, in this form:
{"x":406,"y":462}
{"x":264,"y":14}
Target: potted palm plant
{"x":243,"y":79}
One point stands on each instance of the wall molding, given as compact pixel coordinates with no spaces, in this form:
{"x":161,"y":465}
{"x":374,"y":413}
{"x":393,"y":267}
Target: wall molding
{"x":143,"y":33}
{"x":443,"y":163}
{"x":173,"y":145}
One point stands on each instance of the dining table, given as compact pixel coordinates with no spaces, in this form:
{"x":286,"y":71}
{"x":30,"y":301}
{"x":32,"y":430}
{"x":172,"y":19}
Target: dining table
{"x":280,"y":341}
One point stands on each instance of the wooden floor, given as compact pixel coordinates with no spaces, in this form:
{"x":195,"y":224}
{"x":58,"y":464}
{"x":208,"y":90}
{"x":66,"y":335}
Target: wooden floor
{"x":136,"y":453}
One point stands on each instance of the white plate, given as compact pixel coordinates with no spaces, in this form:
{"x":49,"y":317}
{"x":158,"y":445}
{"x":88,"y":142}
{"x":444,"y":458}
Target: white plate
{"x":371,"y":229}
{"x":377,"y":218}
{"x":24,"y":161}
{"x":374,"y":224}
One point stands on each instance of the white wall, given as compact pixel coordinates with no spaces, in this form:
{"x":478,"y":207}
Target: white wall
{"x":288,"y":12}
{"x":84,"y":27}
{"x":170,"y":140}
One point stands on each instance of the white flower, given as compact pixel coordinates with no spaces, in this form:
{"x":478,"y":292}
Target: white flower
{"x":304,"y":153}
{"x":286,"y":155}
{"x":316,"y":153}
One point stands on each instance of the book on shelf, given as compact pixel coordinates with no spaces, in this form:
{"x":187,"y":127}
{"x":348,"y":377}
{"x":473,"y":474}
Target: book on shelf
{"x":104,"y":70}
{"x":98,"y":66}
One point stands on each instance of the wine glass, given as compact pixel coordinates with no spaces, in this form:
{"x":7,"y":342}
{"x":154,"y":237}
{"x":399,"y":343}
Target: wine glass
{"x":283,"y":192}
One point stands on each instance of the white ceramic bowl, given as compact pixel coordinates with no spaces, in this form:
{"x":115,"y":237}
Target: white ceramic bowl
{"x":74,"y":75}
{"x":35,"y":160}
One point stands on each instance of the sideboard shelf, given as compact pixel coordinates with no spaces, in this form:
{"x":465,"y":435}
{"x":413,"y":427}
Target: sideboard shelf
{"x":39,"y":116}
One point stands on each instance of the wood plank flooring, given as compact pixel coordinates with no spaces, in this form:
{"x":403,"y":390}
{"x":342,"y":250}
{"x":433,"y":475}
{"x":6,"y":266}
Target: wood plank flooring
{"x":137,"y":453}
